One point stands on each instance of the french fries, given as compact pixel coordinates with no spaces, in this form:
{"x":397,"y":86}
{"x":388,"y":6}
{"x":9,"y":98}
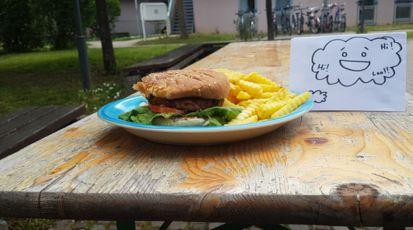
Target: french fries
{"x":259,"y":97}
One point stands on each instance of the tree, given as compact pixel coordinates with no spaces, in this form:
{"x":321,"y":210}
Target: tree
{"x":270,"y":24}
{"x":21,"y":26}
{"x":181,"y":18}
{"x":109,"y":62}
{"x":61,"y":15}
{"x":361,"y":4}
{"x":29,"y":24}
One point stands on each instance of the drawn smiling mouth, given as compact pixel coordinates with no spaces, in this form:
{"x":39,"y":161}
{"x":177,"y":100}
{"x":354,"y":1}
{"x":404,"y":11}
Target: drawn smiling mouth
{"x":354,"y":65}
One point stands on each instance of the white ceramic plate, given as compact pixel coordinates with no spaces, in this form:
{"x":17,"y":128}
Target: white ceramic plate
{"x":192,"y":135}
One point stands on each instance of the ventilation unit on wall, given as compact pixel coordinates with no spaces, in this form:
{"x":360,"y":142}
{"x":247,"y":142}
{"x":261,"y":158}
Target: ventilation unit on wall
{"x":153,"y":12}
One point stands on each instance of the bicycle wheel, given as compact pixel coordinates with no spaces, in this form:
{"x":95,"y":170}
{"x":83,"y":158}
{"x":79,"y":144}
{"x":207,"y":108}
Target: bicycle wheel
{"x":343,"y":24}
{"x":289,"y":29}
{"x":299,"y":28}
{"x":293,"y":24}
{"x":330,"y":24}
{"x":314,"y":27}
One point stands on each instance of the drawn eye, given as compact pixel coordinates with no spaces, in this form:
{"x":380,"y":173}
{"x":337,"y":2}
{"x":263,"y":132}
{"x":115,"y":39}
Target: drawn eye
{"x":344,"y":54}
{"x":363,"y":54}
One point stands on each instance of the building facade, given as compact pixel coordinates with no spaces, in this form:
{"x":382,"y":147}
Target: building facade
{"x":219,"y":15}
{"x":129,"y":20}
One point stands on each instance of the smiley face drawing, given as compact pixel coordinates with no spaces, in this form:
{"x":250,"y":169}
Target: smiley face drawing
{"x":347,"y":62}
{"x":354,"y":65}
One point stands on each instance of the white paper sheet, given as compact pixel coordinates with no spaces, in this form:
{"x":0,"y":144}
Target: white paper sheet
{"x":364,"y":72}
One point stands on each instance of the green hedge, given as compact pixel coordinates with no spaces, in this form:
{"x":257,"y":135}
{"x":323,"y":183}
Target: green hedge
{"x":30,"y":24}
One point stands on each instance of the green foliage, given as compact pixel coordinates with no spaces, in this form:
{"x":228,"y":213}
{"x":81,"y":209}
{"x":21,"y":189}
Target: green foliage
{"x":409,"y":34}
{"x":53,"y":78}
{"x":113,"y":11}
{"x":29,"y":24}
{"x":61,"y":23}
{"x":193,"y":38}
{"x":214,"y":116}
{"x":30,"y":224}
{"x":101,"y":95}
{"x":388,"y":27}
{"x":21,"y":27}
{"x":62,"y":19}
{"x":358,"y":31}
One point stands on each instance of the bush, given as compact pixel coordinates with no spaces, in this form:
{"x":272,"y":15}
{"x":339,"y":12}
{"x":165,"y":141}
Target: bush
{"x":99,"y":96}
{"x":29,"y":24}
{"x":21,"y":27}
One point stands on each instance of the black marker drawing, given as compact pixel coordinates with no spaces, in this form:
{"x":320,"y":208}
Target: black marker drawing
{"x":347,"y":62}
{"x":319,"y":96}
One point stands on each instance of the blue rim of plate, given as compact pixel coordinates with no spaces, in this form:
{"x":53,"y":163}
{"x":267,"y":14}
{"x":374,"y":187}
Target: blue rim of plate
{"x":107,"y":114}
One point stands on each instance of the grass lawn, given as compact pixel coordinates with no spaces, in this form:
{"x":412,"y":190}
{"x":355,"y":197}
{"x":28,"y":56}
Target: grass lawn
{"x":404,"y":26}
{"x":53,"y":78}
{"x":193,"y":38}
{"x":409,"y":34}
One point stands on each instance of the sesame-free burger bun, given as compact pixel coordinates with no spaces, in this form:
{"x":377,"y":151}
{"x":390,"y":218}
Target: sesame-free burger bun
{"x":173,"y":84}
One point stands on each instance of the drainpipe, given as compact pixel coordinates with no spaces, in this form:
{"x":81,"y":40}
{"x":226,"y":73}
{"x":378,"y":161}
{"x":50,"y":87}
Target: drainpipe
{"x":362,"y":16}
{"x":137,"y":17}
{"x":81,"y":47}
{"x":171,"y":10}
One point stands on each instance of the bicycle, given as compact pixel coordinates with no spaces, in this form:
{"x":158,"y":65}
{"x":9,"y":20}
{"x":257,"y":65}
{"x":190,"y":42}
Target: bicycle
{"x":246,"y":24}
{"x":340,"y":21}
{"x":275,"y":22}
{"x":313,"y":21}
{"x":297,"y":20}
{"x":285,"y":20}
{"x":326,"y":21}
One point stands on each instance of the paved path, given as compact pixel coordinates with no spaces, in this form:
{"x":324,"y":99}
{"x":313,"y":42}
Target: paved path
{"x":134,"y":42}
{"x":127,"y":43}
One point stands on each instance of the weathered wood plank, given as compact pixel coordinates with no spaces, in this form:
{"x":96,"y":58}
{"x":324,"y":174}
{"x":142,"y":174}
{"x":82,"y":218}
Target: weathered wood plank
{"x":9,"y":117}
{"x":188,"y":60}
{"x":166,"y":60}
{"x":22,"y":118}
{"x":341,"y":168}
{"x":35,"y":125}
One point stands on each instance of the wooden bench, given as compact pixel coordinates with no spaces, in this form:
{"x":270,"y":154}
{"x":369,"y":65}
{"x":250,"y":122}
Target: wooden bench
{"x":28,"y":125}
{"x":175,"y":59}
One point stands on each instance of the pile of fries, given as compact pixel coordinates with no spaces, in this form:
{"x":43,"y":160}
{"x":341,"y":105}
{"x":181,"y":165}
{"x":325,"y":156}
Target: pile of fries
{"x":259,"y":97}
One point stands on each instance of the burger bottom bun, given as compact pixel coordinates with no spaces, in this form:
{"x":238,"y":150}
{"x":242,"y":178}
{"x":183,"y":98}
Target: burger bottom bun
{"x":180,"y":121}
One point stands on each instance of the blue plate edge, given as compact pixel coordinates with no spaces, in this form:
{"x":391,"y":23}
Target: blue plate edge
{"x":301,"y":110}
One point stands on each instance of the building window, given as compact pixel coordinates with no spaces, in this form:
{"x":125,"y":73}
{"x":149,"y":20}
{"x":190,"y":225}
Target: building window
{"x":247,"y":6}
{"x":281,"y":3}
{"x":369,"y":12}
{"x":403,"y":10}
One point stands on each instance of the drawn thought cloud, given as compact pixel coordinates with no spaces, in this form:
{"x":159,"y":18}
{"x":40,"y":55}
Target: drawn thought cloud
{"x":319,"y":96}
{"x":352,"y":61}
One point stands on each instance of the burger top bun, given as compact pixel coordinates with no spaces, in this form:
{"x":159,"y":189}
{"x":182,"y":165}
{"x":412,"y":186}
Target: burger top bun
{"x":173,"y":84}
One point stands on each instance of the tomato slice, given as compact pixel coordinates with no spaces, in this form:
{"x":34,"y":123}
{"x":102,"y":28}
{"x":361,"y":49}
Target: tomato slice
{"x":164,"y":109}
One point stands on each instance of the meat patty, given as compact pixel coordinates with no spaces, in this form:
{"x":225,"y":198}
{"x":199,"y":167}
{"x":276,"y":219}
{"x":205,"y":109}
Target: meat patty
{"x":188,"y":104}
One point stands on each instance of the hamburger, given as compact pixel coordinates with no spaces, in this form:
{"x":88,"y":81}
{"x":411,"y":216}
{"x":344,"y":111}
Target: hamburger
{"x":183,"y":98}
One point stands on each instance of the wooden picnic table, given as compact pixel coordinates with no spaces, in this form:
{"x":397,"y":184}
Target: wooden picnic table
{"x":334,"y":168}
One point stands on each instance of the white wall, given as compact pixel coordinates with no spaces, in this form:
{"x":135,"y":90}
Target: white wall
{"x":126,"y":22}
{"x":212,"y":16}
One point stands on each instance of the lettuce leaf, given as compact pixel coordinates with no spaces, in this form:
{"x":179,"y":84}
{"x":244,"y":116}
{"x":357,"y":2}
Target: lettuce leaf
{"x":144,"y":115}
{"x":215,"y":116}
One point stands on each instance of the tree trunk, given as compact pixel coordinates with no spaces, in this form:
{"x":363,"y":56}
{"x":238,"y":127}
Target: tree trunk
{"x":362,"y":17}
{"x":109,"y":62}
{"x":270,"y":24}
{"x":181,"y":18}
